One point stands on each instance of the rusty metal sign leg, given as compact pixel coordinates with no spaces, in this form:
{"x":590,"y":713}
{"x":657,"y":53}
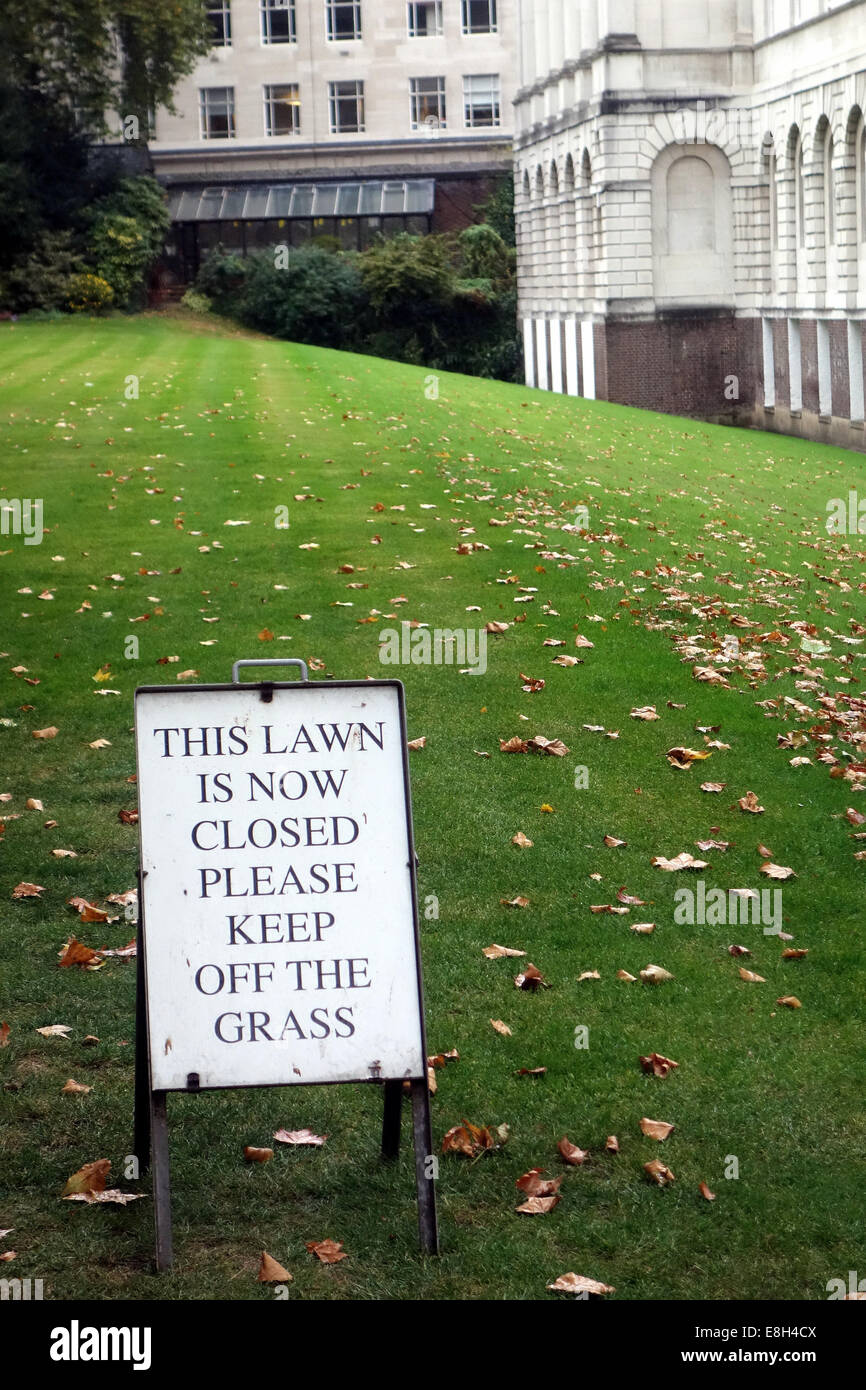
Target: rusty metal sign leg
{"x":161,"y":1181}
{"x":425,"y":1168}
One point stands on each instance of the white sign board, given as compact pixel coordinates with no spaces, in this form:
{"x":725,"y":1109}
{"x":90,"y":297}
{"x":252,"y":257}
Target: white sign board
{"x":277,"y":885}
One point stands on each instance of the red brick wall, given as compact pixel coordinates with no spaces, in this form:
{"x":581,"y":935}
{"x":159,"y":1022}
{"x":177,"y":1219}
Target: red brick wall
{"x":679,"y":365}
{"x":780,"y":351}
{"x":839,"y":368}
{"x":809,"y":350}
{"x":457,"y":198}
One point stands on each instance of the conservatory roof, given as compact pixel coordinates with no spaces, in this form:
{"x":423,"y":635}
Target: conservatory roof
{"x":263,"y":201}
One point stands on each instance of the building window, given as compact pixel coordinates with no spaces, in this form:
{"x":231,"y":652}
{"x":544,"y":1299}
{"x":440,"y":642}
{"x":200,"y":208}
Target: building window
{"x":479,"y":16}
{"x":217,"y":106}
{"x":800,"y":191}
{"x":425,"y":19}
{"x":219,"y":13}
{"x":427,"y":97}
{"x":481,"y":104}
{"x":346,"y":100}
{"x":283,"y":109}
{"x":278,"y":21}
{"x":344,"y":19}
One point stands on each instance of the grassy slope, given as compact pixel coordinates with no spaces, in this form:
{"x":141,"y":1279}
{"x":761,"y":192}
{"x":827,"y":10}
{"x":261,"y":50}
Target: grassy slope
{"x":229,"y":426}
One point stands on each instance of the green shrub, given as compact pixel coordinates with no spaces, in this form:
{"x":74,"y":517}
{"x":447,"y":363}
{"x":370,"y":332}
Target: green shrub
{"x":221,"y":279}
{"x":197,"y":303}
{"x":43,"y":281}
{"x":125,"y":235}
{"x":485,"y":256}
{"x":407,"y":277}
{"x":89,"y":294}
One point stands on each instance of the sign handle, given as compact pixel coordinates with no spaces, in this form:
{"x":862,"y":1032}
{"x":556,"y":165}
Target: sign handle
{"x":425,"y":1167}
{"x":270,"y":661}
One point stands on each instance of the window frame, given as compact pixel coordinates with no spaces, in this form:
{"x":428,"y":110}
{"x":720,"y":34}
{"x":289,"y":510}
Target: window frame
{"x":205,"y":113}
{"x":495,"y":105}
{"x":466,"y":24}
{"x":334,"y":99}
{"x":416,"y":98}
{"x":267,"y":8}
{"x":331,"y":8}
{"x":412,"y":23}
{"x":220,"y":9}
{"x":270,"y":103}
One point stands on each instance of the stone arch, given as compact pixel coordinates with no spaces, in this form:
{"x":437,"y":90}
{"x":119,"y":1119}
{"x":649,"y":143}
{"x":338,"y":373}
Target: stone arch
{"x":692,"y":225}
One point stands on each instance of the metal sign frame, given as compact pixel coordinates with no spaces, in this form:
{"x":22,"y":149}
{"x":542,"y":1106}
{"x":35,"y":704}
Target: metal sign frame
{"x":150,"y":1142}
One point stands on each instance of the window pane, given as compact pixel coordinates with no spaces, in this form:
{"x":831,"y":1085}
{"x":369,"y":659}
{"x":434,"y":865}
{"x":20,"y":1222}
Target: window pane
{"x":278,"y":21}
{"x":282,"y":109}
{"x":427,"y":101}
{"x":479,"y":16}
{"x":425,"y":19}
{"x":219,"y":16}
{"x":347,"y":107}
{"x":481,"y":100}
{"x":344,"y":19}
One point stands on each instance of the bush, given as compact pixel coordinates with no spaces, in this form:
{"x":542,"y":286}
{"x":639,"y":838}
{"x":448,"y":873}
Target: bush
{"x":125,"y":236}
{"x":407,"y":277}
{"x":197,"y":303}
{"x":44,"y":280}
{"x":485,"y":256}
{"x":316,"y":298}
{"x":89,"y":294}
{"x":221,"y":279}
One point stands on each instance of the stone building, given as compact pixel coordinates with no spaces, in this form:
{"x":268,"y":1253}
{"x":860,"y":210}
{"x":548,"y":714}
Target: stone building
{"x":691,"y":207}
{"x":312,"y":117}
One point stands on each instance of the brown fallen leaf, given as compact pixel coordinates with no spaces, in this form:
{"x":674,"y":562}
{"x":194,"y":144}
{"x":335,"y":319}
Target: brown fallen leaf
{"x":658,"y":1173}
{"x":611,"y":1144}
{"x":751,"y":976}
{"x":578,"y":1284}
{"x":415,"y":744}
{"x":657,"y":1064}
{"x":655,"y":975}
{"x":588,"y":975}
{"x":612,"y":842}
{"x":535,"y":1185}
{"x":531,"y":1071}
{"x":271,"y":1271}
{"x":5,"y":1030}
{"x":647,"y":713}
{"x":682,"y":861}
{"x":100,"y":743}
{"x":27,"y":890}
{"x":531,"y":978}
{"x":739,"y":951}
{"x":75,"y":1088}
{"x":498,"y":1026}
{"x":643,"y":928}
{"x":571,"y":1154}
{"x":112,"y":1196}
{"x":254,"y":1155}
{"x":624,"y":975}
{"x":55,"y":1030}
{"x":656,"y":1129}
{"x":300,"y":1137}
{"x":706,"y":1193}
{"x":90,"y":1178}
{"x":76,"y":953}
{"x":794,"y":953}
{"x":8,"y":1255}
{"x":750,"y":803}
{"x":521,"y":841}
{"x":684,"y":757}
{"x":50,"y":732}
{"x":539,"y":1206}
{"x":34,"y":804}
{"x":330,"y":1252}
{"x":777,"y":871}
{"x":713,"y":786}
{"x":127,"y":817}
{"x":514,"y":902}
{"x":790,"y":1001}
{"x":496,"y":952}
{"x":629,"y":899}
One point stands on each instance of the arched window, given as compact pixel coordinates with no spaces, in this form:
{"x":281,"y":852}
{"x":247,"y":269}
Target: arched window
{"x":692,"y":225}
{"x":861,"y":177}
{"x":800,"y":190}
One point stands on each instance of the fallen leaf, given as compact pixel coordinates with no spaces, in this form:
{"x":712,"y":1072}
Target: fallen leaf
{"x":500,"y":1027}
{"x":657,"y":1064}
{"x":495,"y":952}
{"x":571,"y":1154}
{"x":659,"y":1173}
{"x":611,"y":1144}
{"x":534,"y":1185}
{"x":705,"y":1192}
{"x":300,"y":1137}
{"x":777,"y":871}
{"x":50,"y":732}
{"x":624,"y":975}
{"x":531,"y":978}
{"x":90,"y":1178}
{"x":75,"y":1088}
{"x":588,"y":975}
{"x":514,"y":902}
{"x":271,"y":1271}
{"x":655,"y":975}
{"x":792,"y":953}
{"x":538,"y":1206}
{"x":656,"y":1129}
{"x":254,"y":1155}
{"x":751,"y":976}
{"x":682,"y":861}
{"x":645,"y":712}
{"x":27,"y":890}
{"x":579,"y":1283}
{"x":55,"y":1030}
{"x":750,"y":803}
{"x":790,"y":1001}
{"x":34,"y":804}
{"x":5,"y":1030}
{"x":415,"y":743}
{"x":612,"y":842}
{"x":643,"y":928}
{"x":330,"y":1252}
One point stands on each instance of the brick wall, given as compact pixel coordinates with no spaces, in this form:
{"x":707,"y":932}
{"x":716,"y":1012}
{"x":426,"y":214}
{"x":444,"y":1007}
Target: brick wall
{"x":680,"y":365}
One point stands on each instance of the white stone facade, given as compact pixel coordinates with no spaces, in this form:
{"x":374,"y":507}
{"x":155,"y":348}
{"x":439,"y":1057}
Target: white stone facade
{"x":691,"y":206}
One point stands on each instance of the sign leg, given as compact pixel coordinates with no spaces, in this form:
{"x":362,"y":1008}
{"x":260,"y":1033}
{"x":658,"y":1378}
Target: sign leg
{"x":391,"y":1119}
{"x":141,"y":1127}
{"x":161,"y":1184}
{"x":425,"y":1167}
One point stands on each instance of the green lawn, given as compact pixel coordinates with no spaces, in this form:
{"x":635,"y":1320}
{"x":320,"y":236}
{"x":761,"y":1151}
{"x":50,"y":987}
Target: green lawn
{"x":689,"y":527}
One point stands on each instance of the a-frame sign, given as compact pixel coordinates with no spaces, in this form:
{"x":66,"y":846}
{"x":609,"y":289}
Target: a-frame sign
{"x":278,"y":936}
